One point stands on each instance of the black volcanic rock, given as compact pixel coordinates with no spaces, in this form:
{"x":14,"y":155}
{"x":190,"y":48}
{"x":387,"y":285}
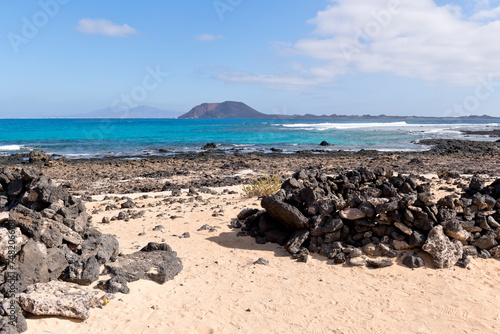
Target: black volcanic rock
{"x":334,"y":216}
{"x":286,"y":214}
{"x":209,"y":146}
{"x":491,"y":133}
{"x":228,"y":109}
{"x":450,"y":146}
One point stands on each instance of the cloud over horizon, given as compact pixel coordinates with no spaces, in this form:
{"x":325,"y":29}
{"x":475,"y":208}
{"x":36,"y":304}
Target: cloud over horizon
{"x":413,"y":38}
{"x":105,"y":28}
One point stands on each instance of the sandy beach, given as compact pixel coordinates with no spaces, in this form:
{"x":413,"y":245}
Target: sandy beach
{"x":221,"y":290}
{"x":230,"y":166}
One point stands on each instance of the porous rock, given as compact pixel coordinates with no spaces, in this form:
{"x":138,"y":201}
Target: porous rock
{"x":296,"y":240}
{"x":445,"y":253}
{"x":454,"y":229}
{"x":38,"y":157}
{"x":114,"y":285}
{"x":32,"y":262}
{"x":49,"y":192}
{"x":82,"y":271}
{"x":357,"y":261}
{"x":401,"y":245}
{"x":27,"y":220}
{"x":156,"y":265}
{"x":17,"y":240}
{"x":59,"y":299}
{"x":427,"y":198}
{"x":14,"y":283}
{"x":11,"y":317}
{"x":68,"y":234}
{"x":102,"y":246}
{"x":352,"y":214}
{"x":52,"y":237}
{"x":56,"y":263}
{"x":379,"y":263}
{"x":495,"y":252}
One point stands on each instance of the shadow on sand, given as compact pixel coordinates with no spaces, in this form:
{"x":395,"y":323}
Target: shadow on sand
{"x":231,"y":240}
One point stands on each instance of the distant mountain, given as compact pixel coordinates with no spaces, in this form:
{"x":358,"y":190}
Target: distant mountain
{"x":226,"y":110}
{"x":137,"y":112}
{"x":239,"y":110}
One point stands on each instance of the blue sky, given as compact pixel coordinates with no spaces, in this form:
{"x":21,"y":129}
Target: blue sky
{"x":393,"y":57}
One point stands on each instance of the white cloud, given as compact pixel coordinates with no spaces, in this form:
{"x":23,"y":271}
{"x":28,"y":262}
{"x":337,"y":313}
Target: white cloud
{"x":487,"y":14}
{"x":408,"y":38}
{"x":104,"y":27}
{"x":208,"y":37}
{"x":273,"y":81}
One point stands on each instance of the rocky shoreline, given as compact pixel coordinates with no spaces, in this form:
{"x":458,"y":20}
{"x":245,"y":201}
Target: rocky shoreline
{"x":345,"y":206}
{"x":216,"y":168}
{"x":490,"y":133}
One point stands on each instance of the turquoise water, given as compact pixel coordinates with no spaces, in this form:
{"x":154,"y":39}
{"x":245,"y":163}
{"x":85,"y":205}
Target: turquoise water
{"x":98,"y":137}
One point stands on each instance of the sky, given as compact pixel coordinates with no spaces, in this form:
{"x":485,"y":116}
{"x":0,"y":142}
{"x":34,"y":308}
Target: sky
{"x":354,"y":57}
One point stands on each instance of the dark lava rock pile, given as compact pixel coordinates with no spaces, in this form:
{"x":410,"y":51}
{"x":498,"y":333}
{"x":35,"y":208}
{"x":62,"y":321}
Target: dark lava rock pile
{"x":46,"y":236}
{"x":376,"y":213}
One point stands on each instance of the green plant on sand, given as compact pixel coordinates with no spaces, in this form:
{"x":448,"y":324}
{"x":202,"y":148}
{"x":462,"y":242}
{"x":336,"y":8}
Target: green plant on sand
{"x":263,"y":186}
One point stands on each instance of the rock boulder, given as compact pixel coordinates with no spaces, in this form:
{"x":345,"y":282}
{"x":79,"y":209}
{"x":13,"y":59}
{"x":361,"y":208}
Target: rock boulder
{"x":59,"y":299}
{"x":156,"y":265}
{"x":288,"y":215}
{"x":445,"y":253}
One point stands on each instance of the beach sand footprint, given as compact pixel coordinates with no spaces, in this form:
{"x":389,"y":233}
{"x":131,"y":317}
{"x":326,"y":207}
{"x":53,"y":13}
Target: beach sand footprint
{"x":454,"y":312}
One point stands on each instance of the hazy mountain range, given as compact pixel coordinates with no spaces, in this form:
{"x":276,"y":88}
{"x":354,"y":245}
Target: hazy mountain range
{"x":137,"y":112}
{"x":233,"y":110}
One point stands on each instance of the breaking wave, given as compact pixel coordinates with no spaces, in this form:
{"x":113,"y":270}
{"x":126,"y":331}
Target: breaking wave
{"x":11,"y":147}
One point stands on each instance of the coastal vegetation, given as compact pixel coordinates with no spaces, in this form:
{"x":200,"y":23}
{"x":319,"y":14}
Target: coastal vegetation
{"x":263,"y":186}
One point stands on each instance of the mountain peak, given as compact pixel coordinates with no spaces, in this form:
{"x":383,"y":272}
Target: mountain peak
{"x":227,"y":110}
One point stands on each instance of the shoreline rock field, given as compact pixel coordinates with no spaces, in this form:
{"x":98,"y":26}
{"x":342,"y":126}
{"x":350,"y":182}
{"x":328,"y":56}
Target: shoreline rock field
{"x":108,"y":229}
{"x":376,"y":212}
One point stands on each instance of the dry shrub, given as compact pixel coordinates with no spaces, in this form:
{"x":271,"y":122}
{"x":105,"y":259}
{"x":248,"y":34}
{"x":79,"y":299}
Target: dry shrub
{"x":263,"y":186}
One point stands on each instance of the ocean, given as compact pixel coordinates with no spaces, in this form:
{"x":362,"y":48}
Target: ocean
{"x":86,"y":138}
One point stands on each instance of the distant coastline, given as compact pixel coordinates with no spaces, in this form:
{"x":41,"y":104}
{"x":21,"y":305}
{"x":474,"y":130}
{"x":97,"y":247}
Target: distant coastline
{"x":239,"y":110}
{"x":236,"y":110}
{"x":293,"y":117}
{"x":287,"y":117}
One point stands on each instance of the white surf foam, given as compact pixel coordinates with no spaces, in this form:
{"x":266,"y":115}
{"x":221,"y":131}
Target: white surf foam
{"x":11,"y":147}
{"x":345,"y":126}
{"x":418,"y":127}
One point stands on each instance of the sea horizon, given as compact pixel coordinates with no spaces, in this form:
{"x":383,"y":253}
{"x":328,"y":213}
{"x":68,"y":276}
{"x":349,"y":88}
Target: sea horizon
{"x":332,"y":117}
